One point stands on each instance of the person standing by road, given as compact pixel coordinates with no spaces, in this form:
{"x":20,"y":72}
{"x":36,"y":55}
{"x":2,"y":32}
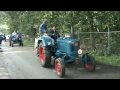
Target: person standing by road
{"x":1,"y":38}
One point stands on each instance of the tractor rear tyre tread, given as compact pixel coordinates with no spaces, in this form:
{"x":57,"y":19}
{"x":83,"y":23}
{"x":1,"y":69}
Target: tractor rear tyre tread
{"x":47,"y":56}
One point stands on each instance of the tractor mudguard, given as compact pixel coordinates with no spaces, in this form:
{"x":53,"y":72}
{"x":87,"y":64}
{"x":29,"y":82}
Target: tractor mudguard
{"x":60,"y":54}
{"x":85,"y":58}
{"x":46,"y":40}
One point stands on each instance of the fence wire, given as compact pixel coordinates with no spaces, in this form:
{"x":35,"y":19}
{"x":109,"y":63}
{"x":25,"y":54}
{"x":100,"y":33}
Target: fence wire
{"x":102,"y":43}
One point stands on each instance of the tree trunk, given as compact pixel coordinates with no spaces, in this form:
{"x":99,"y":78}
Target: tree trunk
{"x":92,"y":36}
{"x":93,"y":41}
{"x":72,"y":32}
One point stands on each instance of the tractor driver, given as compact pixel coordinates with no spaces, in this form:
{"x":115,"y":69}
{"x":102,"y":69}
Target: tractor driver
{"x":1,"y":38}
{"x":54,"y":34}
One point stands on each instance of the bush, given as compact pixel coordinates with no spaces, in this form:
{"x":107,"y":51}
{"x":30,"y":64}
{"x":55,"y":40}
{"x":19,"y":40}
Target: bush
{"x":102,"y":52}
{"x":115,"y":43}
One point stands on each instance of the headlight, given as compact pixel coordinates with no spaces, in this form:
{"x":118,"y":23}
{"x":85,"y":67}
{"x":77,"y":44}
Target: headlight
{"x":80,"y":51}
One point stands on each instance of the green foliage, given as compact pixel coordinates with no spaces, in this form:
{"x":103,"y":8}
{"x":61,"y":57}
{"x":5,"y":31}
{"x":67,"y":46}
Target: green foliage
{"x":75,"y":21}
{"x":115,"y":43}
{"x":86,"y":20}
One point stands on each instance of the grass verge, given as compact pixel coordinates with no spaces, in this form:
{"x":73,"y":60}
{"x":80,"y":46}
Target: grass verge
{"x":28,"y":43}
{"x":113,"y":60}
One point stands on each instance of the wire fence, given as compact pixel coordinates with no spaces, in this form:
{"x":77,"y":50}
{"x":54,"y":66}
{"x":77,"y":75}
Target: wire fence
{"x":102,"y":43}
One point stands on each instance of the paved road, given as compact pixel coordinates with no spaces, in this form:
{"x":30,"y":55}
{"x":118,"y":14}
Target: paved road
{"x":22,"y":63}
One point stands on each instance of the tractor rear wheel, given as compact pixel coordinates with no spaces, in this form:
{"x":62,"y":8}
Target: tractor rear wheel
{"x":12,"y":43}
{"x":20,"y":43}
{"x":44,"y":55}
{"x":90,"y":66}
{"x":60,"y":67}
{"x":37,"y":50}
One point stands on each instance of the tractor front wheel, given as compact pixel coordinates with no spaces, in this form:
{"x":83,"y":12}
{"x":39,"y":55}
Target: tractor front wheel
{"x":91,"y":65}
{"x":60,"y":67}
